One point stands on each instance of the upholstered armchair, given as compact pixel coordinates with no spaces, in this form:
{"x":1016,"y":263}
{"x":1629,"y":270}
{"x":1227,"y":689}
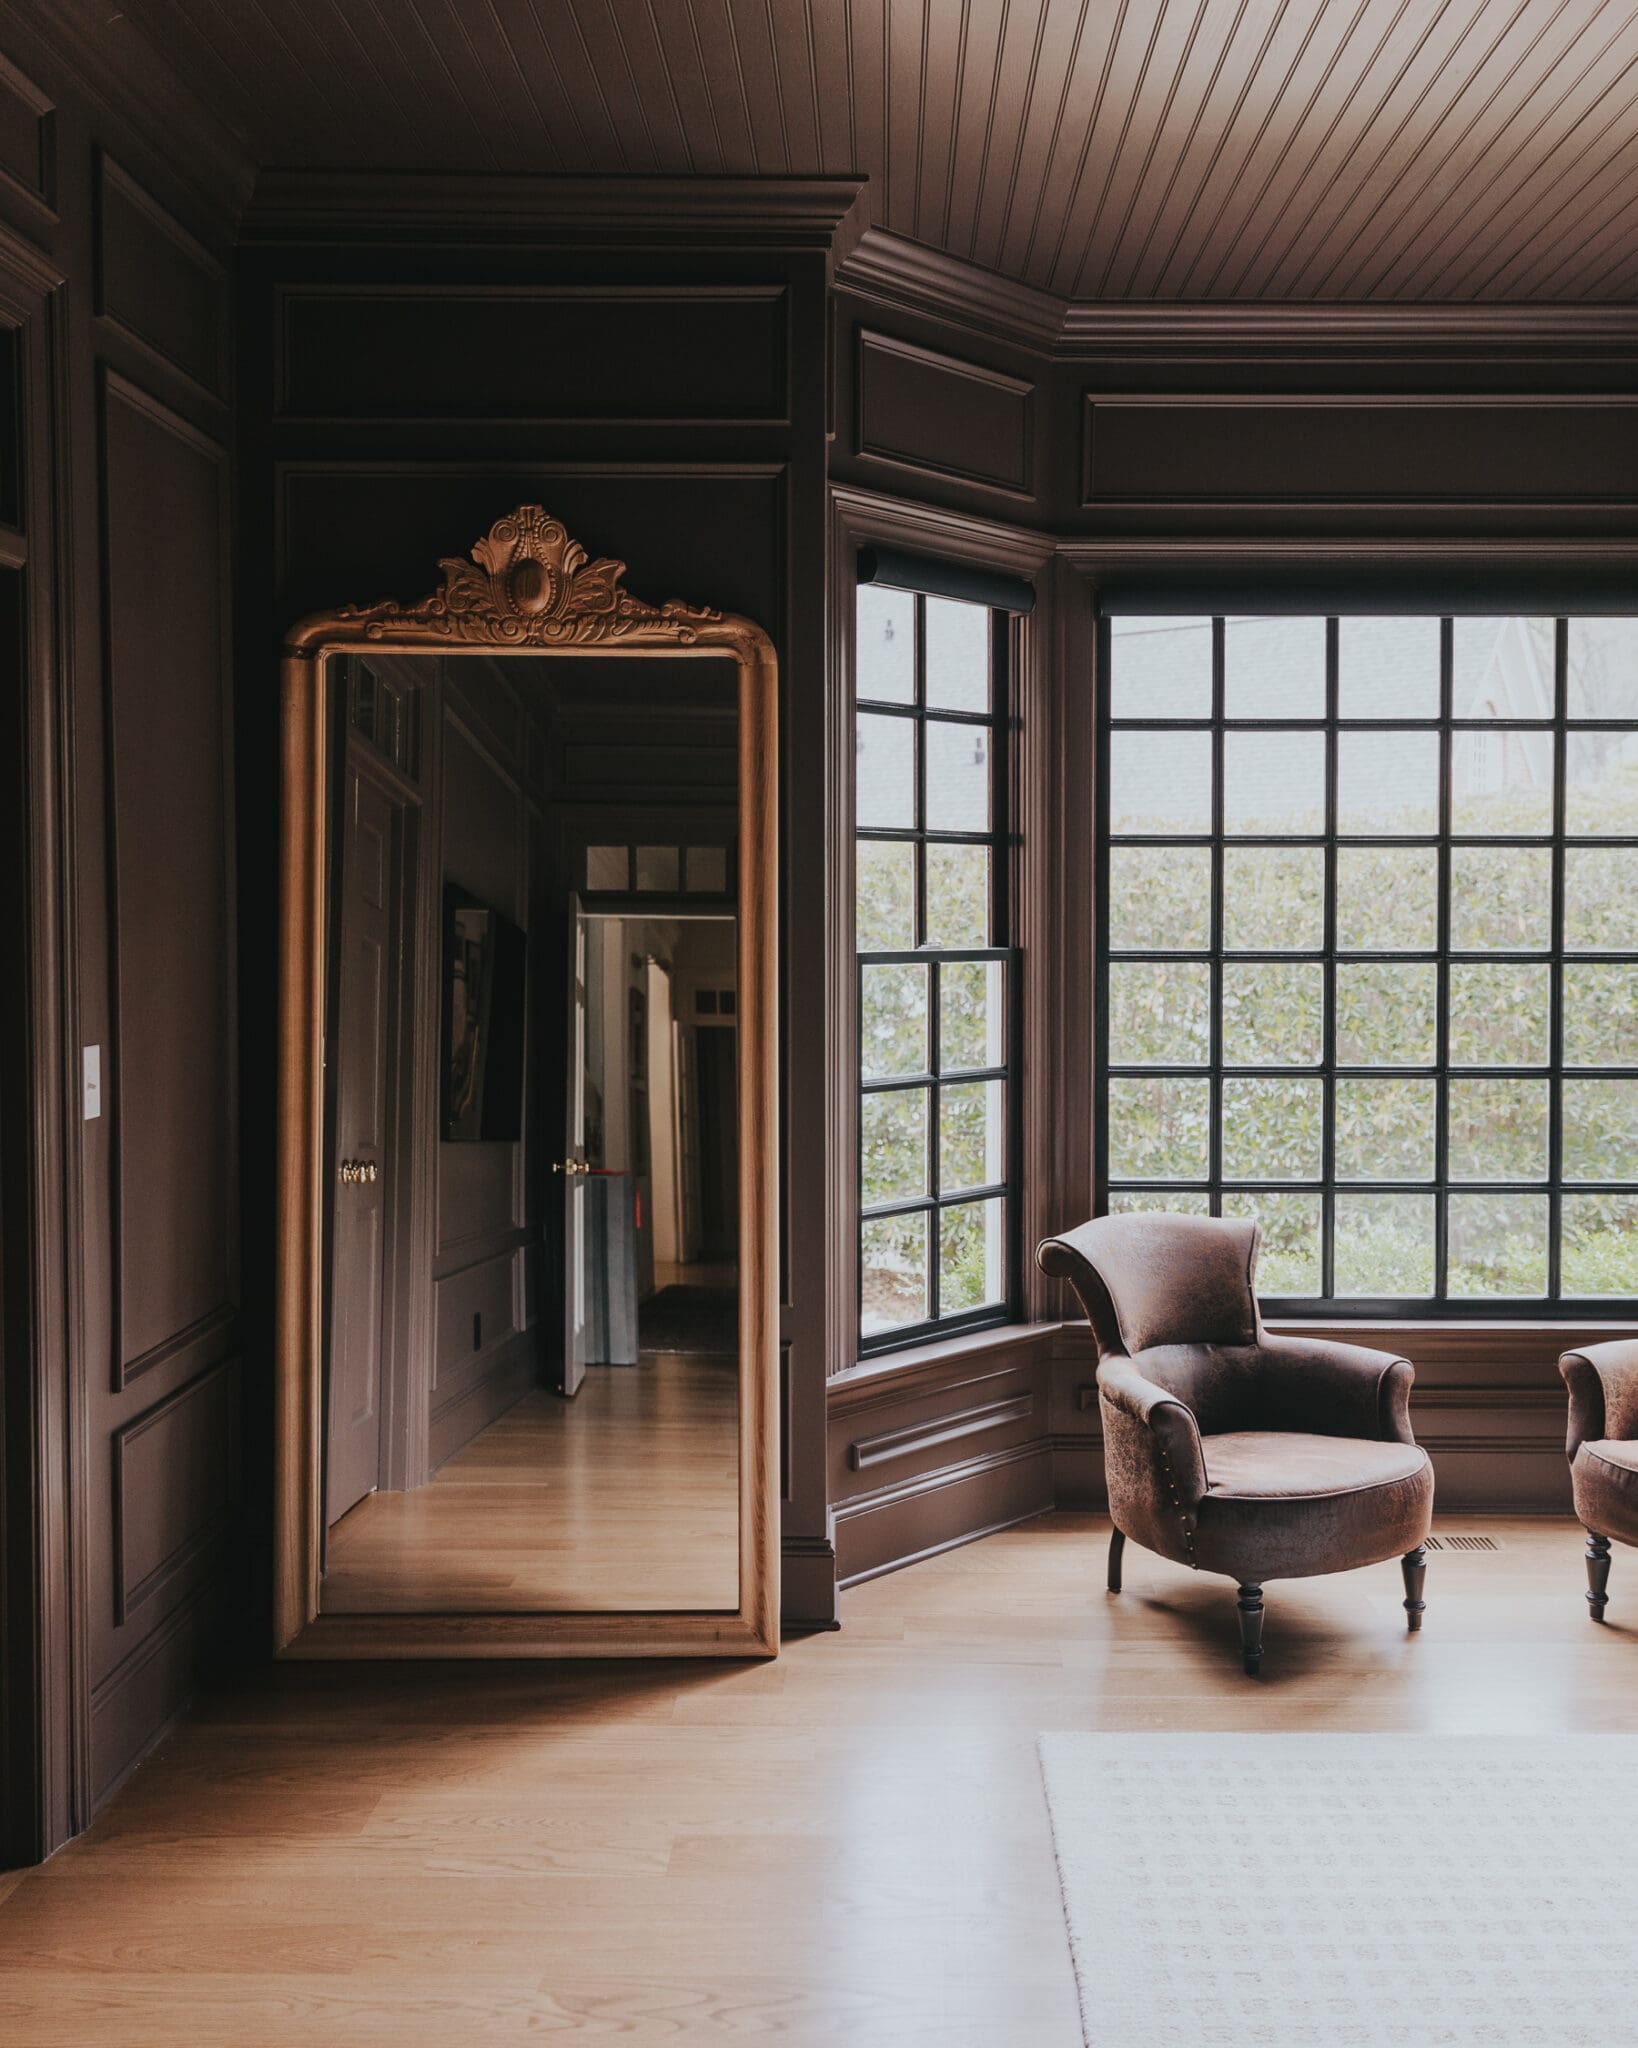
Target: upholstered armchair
{"x":1603,"y":1453}
{"x":1228,"y":1450}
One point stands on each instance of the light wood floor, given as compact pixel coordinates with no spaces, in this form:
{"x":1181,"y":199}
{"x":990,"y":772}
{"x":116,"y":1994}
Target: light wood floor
{"x":625,"y":1497}
{"x":847,"y":1848}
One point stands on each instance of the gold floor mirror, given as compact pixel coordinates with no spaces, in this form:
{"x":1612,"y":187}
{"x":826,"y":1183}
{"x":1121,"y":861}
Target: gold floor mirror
{"x":526,"y":1332}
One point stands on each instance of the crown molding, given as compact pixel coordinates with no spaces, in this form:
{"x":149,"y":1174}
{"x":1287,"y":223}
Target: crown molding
{"x":754,"y":213}
{"x":891,"y":270}
{"x":894,"y":271}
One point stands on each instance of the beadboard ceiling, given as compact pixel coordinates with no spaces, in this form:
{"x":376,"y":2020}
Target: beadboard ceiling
{"x":1228,"y":150}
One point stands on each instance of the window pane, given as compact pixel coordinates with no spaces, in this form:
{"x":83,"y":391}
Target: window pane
{"x":893,"y":1021}
{"x":1289,"y":1263}
{"x":1384,"y":1130}
{"x":1498,"y":1130}
{"x":958,"y":895}
{"x":972,"y":1136}
{"x":1388,"y":668}
{"x":1601,"y":899}
{"x":1162,"y":1201}
{"x":1384,"y":1245}
{"x":1271,"y":1128}
{"x":1387,"y":900}
{"x":1160,"y":782}
{"x":886,"y":658}
{"x":1501,"y":782}
{"x":659,"y":869}
{"x":1388,"y":782}
{"x":1501,"y":899}
{"x":1274,"y":668}
{"x":1599,"y":1250}
{"x":1502,"y":668}
{"x":885,"y":895}
{"x":1160,"y":668}
{"x":608,"y":867}
{"x":958,"y":655}
{"x":971,"y":1256}
{"x":1387,"y":1014}
{"x":1159,"y":1013}
{"x":1601,"y":783}
{"x":1274,"y":783}
{"x":893,"y":1145}
{"x":1497,"y":1246}
{"x":1600,"y":1014}
{"x":1603,"y":668}
{"x":893,"y":1276}
{"x":972,"y":1007}
{"x":1158,"y":1129}
{"x":1499,"y":1014}
{"x":1273,"y":899}
{"x":1160,"y":898}
{"x":1600,"y":1130}
{"x":885,"y":764}
{"x":1273,"y":1013}
{"x":958,"y":777}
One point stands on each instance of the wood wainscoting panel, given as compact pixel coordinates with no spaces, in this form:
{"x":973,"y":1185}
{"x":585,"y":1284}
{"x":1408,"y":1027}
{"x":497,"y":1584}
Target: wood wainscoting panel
{"x":920,"y":410}
{"x":28,"y":156}
{"x":174,"y":1484}
{"x":172,"y":1102}
{"x":943,"y":1445}
{"x":653,"y":355}
{"x":1203,"y":450}
{"x":162,"y":289}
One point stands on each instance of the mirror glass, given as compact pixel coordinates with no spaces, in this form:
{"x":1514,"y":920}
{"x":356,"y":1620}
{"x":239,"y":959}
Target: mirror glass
{"x":532,"y":1374}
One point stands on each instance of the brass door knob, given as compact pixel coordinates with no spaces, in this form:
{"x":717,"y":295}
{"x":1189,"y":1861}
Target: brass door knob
{"x":570,"y":1166}
{"x":353,"y":1172}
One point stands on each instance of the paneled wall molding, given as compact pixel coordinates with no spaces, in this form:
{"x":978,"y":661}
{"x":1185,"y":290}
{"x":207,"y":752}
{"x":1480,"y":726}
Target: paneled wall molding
{"x":908,"y":399}
{"x":158,"y":285}
{"x":28,"y":120}
{"x":892,"y":271}
{"x":659,"y":213}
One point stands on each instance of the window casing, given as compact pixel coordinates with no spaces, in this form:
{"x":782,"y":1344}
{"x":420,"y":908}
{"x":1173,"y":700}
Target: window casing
{"x":1368,"y":950}
{"x":937,"y":977}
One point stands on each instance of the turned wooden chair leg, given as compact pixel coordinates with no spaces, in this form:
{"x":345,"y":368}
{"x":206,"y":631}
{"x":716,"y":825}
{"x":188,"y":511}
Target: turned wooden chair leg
{"x":1251,"y":1628}
{"x":1598,"y":1574}
{"x":1415,"y":1567}
{"x":1117,"y":1546}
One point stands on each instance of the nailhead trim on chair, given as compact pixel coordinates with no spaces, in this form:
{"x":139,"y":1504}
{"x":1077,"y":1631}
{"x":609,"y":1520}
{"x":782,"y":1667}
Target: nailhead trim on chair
{"x":1182,"y":1519}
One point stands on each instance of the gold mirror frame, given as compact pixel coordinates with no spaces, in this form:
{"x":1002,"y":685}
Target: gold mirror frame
{"x":528,"y":588}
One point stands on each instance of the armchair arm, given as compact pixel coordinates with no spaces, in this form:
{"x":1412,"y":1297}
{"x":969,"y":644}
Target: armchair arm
{"x":1333,"y":1389}
{"x":1603,"y":1384}
{"x":1177,"y":1465}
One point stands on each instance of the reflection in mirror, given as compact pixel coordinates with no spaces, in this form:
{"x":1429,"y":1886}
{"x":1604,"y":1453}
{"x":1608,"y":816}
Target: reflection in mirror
{"x":532,"y":1373}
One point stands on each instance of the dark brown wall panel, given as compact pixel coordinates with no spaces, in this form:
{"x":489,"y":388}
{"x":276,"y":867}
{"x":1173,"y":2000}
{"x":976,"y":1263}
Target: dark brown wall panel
{"x":172,"y":1097}
{"x":922,"y":410}
{"x":484,"y":1290}
{"x":1212,"y":450}
{"x":27,"y":135}
{"x":156,"y":283}
{"x":173,"y":1490}
{"x":582,"y":353}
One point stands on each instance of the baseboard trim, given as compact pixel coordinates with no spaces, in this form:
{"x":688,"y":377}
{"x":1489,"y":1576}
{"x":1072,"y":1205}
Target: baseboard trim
{"x":937,"y":1510}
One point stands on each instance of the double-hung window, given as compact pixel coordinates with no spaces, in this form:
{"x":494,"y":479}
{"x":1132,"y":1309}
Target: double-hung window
{"x":1368,"y":949}
{"x":935,"y":974}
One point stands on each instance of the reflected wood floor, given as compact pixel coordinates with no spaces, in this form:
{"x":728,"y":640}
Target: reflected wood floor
{"x":625,"y":1497}
{"x":849,"y":1845}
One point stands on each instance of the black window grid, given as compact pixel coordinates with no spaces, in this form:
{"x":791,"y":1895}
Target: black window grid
{"x":1000,"y":841}
{"x":1442,"y":844}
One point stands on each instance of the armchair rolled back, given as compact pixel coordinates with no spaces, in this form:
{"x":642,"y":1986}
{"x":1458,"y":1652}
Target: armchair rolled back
{"x":1156,"y":1279}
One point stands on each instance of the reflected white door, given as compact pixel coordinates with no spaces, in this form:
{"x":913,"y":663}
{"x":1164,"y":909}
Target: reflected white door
{"x":576,"y":1295}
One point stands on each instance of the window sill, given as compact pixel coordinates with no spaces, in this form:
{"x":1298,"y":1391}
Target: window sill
{"x":939,"y":1352}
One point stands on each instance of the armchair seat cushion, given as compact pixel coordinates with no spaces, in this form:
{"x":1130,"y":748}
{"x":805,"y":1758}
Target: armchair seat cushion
{"x":1604,"y":1477}
{"x":1282,"y":1504}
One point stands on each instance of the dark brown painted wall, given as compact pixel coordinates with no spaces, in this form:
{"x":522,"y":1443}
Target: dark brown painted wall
{"x":130,"y":403}
{"x":702,"y":467}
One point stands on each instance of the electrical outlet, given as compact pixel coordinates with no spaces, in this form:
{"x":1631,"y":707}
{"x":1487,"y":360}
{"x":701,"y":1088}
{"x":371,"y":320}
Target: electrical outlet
{"x":91,"y":1082}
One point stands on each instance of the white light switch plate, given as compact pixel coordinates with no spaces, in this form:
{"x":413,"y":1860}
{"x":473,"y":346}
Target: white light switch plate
{"x":92,"y":1081}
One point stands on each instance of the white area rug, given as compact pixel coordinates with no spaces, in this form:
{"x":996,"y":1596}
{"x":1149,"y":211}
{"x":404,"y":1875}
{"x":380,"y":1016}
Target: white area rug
{"x":1349,"y":1891}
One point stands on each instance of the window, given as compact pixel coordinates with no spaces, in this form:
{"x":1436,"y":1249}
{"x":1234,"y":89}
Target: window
{"x":935,"y":974}
{"x":1368,"y":949}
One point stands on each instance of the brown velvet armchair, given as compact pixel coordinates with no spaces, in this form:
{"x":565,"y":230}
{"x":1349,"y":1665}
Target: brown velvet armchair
{"x":1603,"y":1453}
{"x":1229,"y":1450}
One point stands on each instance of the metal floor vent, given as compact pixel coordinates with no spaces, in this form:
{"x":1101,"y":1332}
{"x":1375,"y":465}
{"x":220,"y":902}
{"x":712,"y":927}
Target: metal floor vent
{"x":1462,"y":1543}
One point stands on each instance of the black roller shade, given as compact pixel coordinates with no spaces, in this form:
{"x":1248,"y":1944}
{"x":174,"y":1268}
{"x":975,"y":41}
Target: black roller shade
{"x":935,"y":576}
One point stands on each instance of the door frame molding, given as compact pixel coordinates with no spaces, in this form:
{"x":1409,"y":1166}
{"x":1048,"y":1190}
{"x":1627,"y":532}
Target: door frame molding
{"x":532,"y":592}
